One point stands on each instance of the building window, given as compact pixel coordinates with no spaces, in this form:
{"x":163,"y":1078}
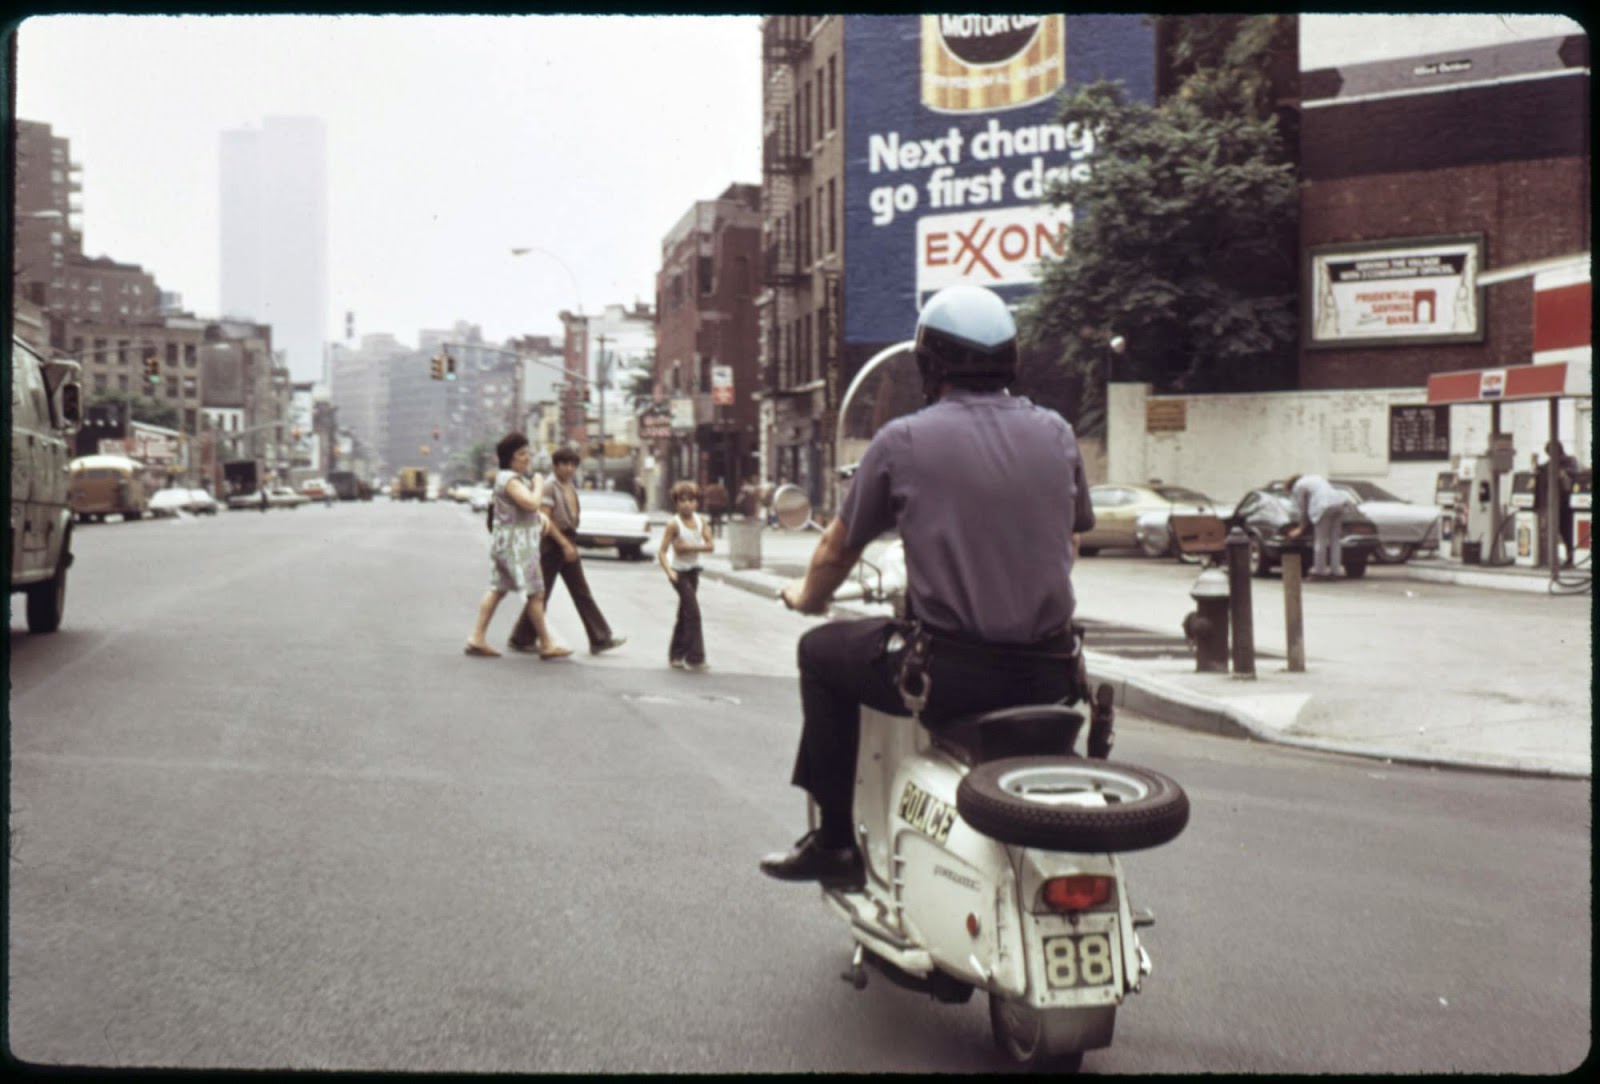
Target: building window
{"x":172,"y":389}
{"x":122,"y":351}
{"x":190,"y":387}
{"x":822,"y":236}
{"x":190,"y":421}
{"x":99,"y":382}
{"x":805,"y":116}
{"x":833,"y":221}
{"x":741,"y":266}
{"x":822,"y":103}
{"x":833,"y":93}
{"x":707,"y":281}
{"x":122,"y":381}
{"x":172,"y":354}
{"x":189,"y":356}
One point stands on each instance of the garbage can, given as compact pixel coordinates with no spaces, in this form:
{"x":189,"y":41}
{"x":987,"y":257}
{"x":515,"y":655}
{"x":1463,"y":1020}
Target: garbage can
{"x":744,"y":543}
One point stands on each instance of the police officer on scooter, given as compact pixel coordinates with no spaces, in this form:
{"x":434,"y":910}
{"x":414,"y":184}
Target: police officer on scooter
{"x":987,"y":491}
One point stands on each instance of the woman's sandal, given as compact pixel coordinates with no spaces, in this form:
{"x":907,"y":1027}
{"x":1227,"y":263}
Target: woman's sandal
{"x":556,"y":653}
{"x":482,"y":652}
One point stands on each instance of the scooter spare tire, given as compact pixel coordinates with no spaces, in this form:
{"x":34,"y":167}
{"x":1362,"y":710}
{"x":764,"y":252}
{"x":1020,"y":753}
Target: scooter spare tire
{"x":1068,"y":804}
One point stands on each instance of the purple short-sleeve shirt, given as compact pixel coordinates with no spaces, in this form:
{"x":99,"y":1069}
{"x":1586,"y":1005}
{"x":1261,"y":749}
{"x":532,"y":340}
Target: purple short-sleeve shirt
{"x":986,"y":490}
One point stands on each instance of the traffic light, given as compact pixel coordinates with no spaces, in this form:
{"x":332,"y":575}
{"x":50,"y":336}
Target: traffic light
{"x":438,"y":366}
{"x":152,"y":369}
{"x":449,"y":367}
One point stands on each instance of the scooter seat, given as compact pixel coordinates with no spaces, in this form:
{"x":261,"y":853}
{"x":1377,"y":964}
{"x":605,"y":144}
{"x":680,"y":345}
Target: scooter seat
{"x":1033,"y":730}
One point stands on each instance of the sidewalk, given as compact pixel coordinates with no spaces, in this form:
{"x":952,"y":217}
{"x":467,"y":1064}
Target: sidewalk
{"x":1428,"y":663}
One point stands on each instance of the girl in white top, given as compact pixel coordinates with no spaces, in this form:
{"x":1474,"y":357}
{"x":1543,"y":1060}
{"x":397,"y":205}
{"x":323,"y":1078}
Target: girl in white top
{"x":687,"y":536}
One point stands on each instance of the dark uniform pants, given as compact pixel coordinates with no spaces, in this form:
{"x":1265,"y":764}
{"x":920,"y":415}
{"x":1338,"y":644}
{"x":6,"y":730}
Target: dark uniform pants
{"x":844,"y":664}
{"x":551,"y":565}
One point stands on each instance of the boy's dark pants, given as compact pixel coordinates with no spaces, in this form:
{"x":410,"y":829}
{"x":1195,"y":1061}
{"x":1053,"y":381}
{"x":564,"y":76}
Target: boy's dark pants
{"x":687,"y":642}
{"x":552,"y":563}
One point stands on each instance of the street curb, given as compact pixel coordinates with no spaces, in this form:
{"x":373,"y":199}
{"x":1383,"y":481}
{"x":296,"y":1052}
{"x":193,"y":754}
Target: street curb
{"x":1193,"y":711}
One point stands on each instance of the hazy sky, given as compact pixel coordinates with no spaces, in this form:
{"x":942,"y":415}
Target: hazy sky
{"x":450,"y":140}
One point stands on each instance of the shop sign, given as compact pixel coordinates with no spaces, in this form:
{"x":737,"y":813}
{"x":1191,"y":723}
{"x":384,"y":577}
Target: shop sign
{"x":722,"y":385}
{"x":1419,"y":433}
{"x":655,"y":421}
{"x":1166,"y":415}
{"x":682,"y":413}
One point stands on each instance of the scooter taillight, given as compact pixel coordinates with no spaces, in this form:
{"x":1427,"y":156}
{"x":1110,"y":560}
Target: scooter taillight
{"x":1079,"y":892}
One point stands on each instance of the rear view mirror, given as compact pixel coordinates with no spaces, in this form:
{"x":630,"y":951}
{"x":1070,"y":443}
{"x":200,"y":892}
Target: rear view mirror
{"x":792,"y":508}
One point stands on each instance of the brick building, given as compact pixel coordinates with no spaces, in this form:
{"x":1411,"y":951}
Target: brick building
{"x":802,"y":208}
{"x":706,"y":318}
{"x":1423,"y":171}
{"x":48,"y":263}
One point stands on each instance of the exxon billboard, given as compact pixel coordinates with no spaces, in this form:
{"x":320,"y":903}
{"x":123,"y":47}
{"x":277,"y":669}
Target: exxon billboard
{"x":951,"y":133}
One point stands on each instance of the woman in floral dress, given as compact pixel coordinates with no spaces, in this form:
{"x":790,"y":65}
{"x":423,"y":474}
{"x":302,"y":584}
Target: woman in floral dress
{"x":514,"y":550}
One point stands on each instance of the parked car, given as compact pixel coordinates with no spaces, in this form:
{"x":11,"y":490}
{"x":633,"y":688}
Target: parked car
{"x":316,"y":489}
{"x":277,"y":497}
{"x":175,"y":499}
{"x":284,"y":497}
{"x":1404,"y":527}
{"x":478,"y":498}
{"x":46,"y":411}
{"x":1266,"y":514}
{"x":1119,"y":508}
{"x":609,"y":518}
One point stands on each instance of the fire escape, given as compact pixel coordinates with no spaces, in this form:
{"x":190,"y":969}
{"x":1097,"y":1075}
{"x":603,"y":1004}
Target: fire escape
{"x":785,"y":164}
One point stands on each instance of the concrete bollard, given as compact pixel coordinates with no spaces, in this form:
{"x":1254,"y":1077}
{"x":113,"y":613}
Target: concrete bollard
{"x":1294,"y":628}
{"x":1207,"y":628}
{"x":1243,"y":623}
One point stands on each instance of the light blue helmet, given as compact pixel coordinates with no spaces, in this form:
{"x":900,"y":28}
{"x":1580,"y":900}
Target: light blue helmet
{"x":967,"y":337}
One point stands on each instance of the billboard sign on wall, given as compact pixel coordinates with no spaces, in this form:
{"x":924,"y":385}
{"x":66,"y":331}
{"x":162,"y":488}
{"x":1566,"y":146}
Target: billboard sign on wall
{"x":1396,"y":292}
{"x":951,"y":135}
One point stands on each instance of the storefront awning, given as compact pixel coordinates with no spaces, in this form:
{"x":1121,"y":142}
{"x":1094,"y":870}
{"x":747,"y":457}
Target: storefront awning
{"x":1557,"y":380}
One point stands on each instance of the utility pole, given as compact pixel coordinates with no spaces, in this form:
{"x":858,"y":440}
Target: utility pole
{"x":600,"y":385}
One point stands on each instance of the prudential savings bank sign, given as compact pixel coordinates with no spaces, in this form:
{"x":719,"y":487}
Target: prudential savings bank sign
{"x":951,"y":130}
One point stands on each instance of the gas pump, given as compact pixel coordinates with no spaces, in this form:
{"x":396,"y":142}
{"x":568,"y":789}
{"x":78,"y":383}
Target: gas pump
{"x":1485,"y":516}
{"x":1447,"y":490}
{"x":1582,"y":513}
{"x":1529,"y":551}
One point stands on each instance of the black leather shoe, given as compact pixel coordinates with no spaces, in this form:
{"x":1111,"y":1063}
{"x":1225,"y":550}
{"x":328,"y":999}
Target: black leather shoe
{"x":615,"y":641}
{"x":811,"y":861}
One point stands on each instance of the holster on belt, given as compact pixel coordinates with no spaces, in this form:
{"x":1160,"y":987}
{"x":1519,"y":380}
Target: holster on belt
{"x":922,"y":643}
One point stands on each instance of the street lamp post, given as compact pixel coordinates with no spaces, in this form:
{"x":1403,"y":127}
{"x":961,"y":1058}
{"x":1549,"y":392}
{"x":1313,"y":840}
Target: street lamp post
{"x":577,"y":294}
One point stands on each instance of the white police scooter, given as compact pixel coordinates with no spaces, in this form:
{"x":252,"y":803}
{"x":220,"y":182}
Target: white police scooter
{"x":990,"y":848}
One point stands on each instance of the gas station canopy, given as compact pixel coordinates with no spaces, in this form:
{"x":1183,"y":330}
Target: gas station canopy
{"x":1556,"y":380}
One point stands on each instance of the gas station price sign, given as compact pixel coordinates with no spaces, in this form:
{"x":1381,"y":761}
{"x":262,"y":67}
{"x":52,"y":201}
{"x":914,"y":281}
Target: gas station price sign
{"x":1419,"y":433}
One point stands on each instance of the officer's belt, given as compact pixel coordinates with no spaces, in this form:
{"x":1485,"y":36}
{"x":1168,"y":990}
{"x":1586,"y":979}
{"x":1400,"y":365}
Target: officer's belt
{"x":1058,"y":644}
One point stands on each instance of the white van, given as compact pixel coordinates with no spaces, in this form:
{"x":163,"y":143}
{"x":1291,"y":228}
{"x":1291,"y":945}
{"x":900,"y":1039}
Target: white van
{"x":45,"y":412}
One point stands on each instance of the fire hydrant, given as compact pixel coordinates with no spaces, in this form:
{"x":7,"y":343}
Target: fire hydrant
{"x":1207,"y":628}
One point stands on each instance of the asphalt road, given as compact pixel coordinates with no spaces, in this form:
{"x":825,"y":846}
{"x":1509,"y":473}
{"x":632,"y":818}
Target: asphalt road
{"x":265,"y":814}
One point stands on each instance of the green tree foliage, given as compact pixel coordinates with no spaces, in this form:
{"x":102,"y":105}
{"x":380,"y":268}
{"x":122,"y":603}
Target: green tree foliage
{"x":1183,"y":236}
{"x":140,"y":408}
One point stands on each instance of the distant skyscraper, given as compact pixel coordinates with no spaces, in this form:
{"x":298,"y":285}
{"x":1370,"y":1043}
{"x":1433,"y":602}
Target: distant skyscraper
{"x":274,"y":234}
